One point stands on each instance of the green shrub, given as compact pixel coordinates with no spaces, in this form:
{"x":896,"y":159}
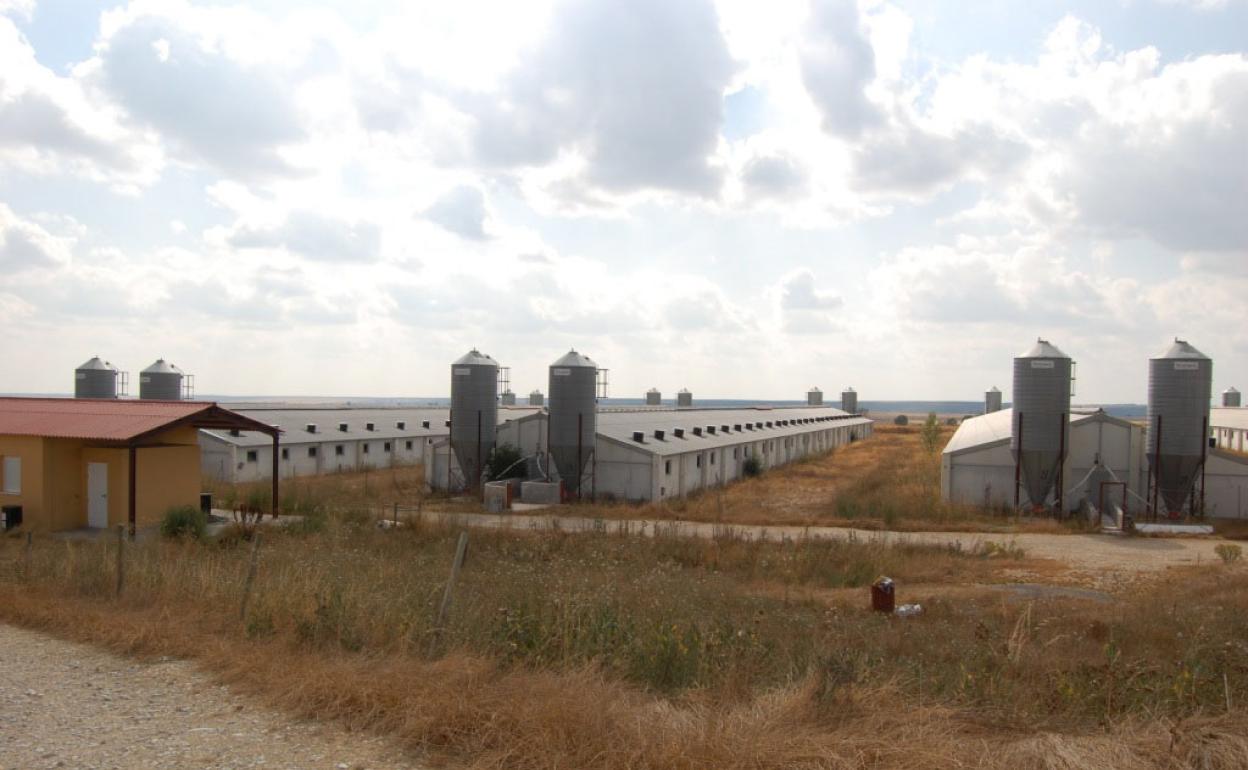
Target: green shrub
{"x":1229,"y":553}
{"x":184,"y":520}
{"x":751,"y":467}
{"x":506,"y":462}
{"x":901,"y":419}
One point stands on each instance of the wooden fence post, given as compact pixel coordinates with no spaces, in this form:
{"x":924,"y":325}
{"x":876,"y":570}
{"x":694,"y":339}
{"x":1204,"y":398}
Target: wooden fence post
{"x":444,"y":609}
{"x":26,"y":559}
{"x":251,"y":576}
{"x":121,"y":557}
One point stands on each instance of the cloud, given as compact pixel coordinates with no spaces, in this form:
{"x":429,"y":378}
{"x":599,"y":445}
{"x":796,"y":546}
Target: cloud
{"x":635,"y":90}
{"x":315,"y":236}
{"x":909,"y":161}
{"x":798,"y":292}
{"x":837,"y":64}
{"x":773,"y":176}
{"x":27,"y":246}
{"x":460,"y":210}
{"x":172,"y":72}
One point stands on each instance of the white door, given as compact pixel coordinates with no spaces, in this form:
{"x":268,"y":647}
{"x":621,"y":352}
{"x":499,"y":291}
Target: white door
{"x":97,"y":495}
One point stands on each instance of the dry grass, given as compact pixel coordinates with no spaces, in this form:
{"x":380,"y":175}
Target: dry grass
{"x":887,"y":482}
{"x":602,"y":651}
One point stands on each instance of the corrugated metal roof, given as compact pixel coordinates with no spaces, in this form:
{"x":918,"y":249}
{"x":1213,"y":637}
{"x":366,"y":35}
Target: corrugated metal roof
{"x":1182,"y":349}
{"x":475,"y":357}
{"x":294,"y":422}
{"x":986,"y":429}
{"x":1233,"y":417}
{"x":1043,"y":349}
{"x":572,"y":358}
{"x":99,"y":364}
{"x":620,"y":426}
{"x":94,"y":419}
{"x":161,"y":366}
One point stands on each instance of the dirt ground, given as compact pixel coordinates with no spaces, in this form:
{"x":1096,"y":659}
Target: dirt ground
{"x":1086,"y":554}
{"x":66,"y":705}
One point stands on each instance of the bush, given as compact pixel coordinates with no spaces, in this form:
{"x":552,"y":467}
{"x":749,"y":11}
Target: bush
{"x":506,"y":462}
{"x":751,"y":467}
{"x":1228,"y":553}
{"x":931,"y":433}
{"x":901,"y":419}
{"x":184,"y":520}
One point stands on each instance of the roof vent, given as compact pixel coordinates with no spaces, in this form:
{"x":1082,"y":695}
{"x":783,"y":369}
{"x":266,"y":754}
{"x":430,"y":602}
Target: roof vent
{"x":737,"y":427}
{"x":724,"y":428}
{"x":234,"y":431}
{"x":370,"y":426}
{"x":697,"y":431}
{"x":658,"y":434}
{"x":342,"y":427}
{"x":424,"y":424}
{"x":310,"y":427}
{"x":710,"y":429}
{"x":749,"y":426}
{"x":758,"y":425}
{"x":639,"y":437}
{"x":401,"y":425}
{"x":770,"y":424}
{"x":448,"y":423}
{"x":678,"y":432}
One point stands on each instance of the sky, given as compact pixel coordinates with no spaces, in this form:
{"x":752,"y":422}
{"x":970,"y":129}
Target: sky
{"x":745,"y":199}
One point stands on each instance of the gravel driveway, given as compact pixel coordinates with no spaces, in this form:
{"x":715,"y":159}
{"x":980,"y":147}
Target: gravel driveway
{"x":68,"y":705}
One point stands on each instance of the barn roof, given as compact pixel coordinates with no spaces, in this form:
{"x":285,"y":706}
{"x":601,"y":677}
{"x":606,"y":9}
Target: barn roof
{"x":114,"y":420}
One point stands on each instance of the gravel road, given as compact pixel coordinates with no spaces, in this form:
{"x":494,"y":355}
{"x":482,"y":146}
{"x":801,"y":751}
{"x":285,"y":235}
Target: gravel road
{"x":1083,"y":553}
{"x":65,"y":705}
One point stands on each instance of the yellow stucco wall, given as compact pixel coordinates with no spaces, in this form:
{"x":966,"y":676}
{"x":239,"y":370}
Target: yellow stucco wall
{"x":30,"y":450}
{"x":54,"y":479}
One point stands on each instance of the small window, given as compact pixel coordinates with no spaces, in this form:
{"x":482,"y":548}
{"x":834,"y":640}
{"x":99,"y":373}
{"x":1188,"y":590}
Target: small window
{"x":311,"y":451}
{"x":698,"y":459}
{"x":285,"y":453}
{"x":667,"y":467}
{"x":407,"y":445}
{"x":252,"y":455}
{"x":736,"y":453}
{"x":338,"y":450}
{"x":366,"y":449}
{"x":12,"y":475}
{"x":385,"y":447}
{"x":712,"y":458}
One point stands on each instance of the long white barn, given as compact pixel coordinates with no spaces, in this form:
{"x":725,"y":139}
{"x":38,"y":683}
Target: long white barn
{"x":644,"y":454}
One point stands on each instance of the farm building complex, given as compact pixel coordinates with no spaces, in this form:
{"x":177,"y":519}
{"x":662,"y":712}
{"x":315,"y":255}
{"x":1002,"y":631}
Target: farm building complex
{"x":655,"y":453}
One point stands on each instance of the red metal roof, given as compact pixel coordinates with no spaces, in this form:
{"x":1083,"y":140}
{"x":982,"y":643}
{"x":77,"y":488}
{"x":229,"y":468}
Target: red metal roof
{"x":111,"y":420}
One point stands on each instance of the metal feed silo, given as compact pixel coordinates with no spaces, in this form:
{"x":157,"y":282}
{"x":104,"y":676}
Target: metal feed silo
{"x":992,"y":400}
{"x":1180,"y":385}
{"x":849,"y":401}
{"x":1040,"y":433}
{"x":474,"y":413}
{"x":814,"y":397}
{"x":1230,"y":397}
{"x":96,"y":378}
{"x":536,"y":398}
{"x":508,"y":398}
{"x":654,"y":397}
{"x":572,"y":424}
{"x":684,"y":397}
{"x":162,"y":381}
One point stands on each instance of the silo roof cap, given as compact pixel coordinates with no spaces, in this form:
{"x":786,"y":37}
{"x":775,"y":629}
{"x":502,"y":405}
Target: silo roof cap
{"x":1182,"y":349}
{"x":815,"y":389}
{"x":1231,"y":389}
{"x":161,"y":366}
{"x":536,"y":393}
{"x":994,"y":389}
{"x":475,"y":357}
{"x":653,"y":390}
{"x":1043,"y":349}
{"x":850,"y":389}
{"x":98,"y":363}
{"x":572,"y":358}
{"x":683,"y":390}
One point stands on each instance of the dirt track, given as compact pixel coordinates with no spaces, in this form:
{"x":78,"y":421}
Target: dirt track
{"x":1082,"y":553}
